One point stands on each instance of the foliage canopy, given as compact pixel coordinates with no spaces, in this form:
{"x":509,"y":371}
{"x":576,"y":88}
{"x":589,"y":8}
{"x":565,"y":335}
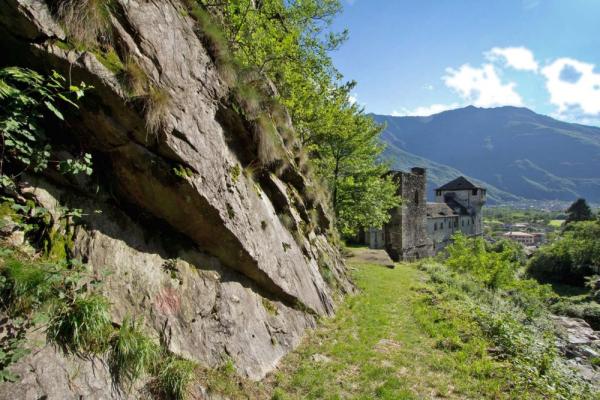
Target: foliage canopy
{"x":288,"y":42}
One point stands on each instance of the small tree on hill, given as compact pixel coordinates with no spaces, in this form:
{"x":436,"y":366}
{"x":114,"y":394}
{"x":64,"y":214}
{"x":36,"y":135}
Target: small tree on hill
{"x":579,"y":211}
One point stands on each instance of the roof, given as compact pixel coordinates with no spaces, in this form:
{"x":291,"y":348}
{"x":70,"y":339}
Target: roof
{"x":460,"y":183}
{"x":456,"y":206}
{"x":435,"y":210}
{"x":518,"y":234}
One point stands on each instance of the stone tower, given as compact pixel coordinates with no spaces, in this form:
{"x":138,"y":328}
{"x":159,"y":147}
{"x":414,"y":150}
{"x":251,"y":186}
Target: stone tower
{"x":405,"y":234}
{"x":461,"y":193}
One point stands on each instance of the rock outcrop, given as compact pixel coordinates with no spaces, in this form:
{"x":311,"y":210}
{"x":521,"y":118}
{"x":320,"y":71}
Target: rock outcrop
{"x":580,"y":344}
{"x":221,"y":264}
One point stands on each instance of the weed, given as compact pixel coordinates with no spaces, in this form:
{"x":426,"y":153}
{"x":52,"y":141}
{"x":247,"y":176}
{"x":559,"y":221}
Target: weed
{"x":267,"y":141}
{"x":175,"y":377}
{"x":86,"y":21}
{"x":269,"y":306}
{"x":230,"y":211}
{"x":81,"y":326}
{"x":156,"y":107}
{"x":133,"y":353}
{"x":183,"y":172}
{"x":235,"y":172}
{"x":134,"y":78}
{"x":25,"y":286}
{"x":110,"y":59}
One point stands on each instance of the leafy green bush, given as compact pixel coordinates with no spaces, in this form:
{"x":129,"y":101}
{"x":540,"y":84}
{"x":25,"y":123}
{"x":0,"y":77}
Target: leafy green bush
{"x":571,"y":257}
{"x":27,"y":97}
{"x":494,"y":269}
{"x":175,"y":376}
{"x":81,"y":325}
{"x":133,"y":353}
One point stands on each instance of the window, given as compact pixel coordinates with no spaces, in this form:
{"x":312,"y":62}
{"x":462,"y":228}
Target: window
{"x":438,"y":192}
{"x":435,"y":226}
{"x":441,"y":225}
{"x":474,"y":192}
{"x":416,"y":198}
{"x":463,"y":222}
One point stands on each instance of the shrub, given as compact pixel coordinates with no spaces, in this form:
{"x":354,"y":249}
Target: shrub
{"x":494,"y":269}
{"x":175,"y":377}
{"x":133,"y":353}
{"x":571,"y":257}
{"x":514,"y":320}
{"x":81,"y":326}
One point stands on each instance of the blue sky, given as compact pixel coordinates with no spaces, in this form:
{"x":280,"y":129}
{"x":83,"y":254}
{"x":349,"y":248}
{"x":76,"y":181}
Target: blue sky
{"x":419,"y":57}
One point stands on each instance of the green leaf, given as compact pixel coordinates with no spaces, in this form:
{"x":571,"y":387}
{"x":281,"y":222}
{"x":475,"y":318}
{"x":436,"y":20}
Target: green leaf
{"x":51,"y":107}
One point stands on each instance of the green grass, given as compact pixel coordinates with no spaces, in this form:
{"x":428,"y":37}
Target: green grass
{"x":133,"y":353}
{"x":389,"y":343}
{"x":556,"y":223}
{"x":25,"y":286}
{"x":175,"y":377}
{"x":81,"y":326}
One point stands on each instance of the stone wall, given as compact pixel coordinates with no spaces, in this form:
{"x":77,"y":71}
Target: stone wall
{"x":406,"y":233}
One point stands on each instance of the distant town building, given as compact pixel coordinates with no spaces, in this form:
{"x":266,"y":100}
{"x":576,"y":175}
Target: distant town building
{"x":420,"y":229}
{"x":526,"y":239}
{"x":538,"y":238}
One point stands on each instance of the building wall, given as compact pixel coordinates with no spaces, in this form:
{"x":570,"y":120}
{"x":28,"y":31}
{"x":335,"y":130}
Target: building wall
{"x":472,"y":202}
{"x":376,"y":238}
{"x":406,"y":233}
{"x":440,"y":230}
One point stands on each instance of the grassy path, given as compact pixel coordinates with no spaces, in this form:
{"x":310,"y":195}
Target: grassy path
{"x":379,"y":346}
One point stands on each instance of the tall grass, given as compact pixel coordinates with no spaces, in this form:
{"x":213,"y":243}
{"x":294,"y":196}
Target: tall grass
{"x":156,"y":107}
{"x":86,"y":21}
{"x":175,"y":377}
{"x":81,"y":326}
{"x":25,"y":286}
{"x":133,"y":353}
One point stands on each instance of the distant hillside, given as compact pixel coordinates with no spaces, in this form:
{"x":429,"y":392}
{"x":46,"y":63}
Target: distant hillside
{"x":515,"y":152}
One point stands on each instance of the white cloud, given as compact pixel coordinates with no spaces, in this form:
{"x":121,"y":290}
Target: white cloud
{"x":482,"y":86}
{"x":573,"y":86}
{"x":429,"y":87}
{"x":424,"y":111}
{"x":519,"y":58}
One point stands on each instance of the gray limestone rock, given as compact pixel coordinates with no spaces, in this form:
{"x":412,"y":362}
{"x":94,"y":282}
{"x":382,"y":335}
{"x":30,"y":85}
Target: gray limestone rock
{"x":205,"y":258}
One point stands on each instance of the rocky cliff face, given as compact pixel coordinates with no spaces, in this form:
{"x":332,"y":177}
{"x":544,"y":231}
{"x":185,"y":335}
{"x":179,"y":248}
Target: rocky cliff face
{"x":221,"y":264}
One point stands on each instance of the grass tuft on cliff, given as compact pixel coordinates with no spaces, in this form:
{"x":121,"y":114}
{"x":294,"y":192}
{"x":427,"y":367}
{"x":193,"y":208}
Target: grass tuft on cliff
{"x":82,"y":325}
{"x":156,"y":107}
{"x":133,"y":353}
{"x":86,"y":21}
{"x":175,"y":377}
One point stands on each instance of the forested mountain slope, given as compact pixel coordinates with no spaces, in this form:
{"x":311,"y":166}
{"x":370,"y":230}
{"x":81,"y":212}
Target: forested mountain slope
{"x":513,"y":151}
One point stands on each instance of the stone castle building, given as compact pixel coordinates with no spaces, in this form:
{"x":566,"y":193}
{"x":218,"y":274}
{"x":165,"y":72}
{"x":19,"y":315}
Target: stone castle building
{"x":420,"y":229}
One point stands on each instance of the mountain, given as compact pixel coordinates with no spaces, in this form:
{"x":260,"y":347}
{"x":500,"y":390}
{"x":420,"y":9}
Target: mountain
{"x":517,"y":154}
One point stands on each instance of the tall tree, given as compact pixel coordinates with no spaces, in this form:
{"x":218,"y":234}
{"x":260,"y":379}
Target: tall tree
{"x":289,"y":41}
{"x":579,"y":211}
